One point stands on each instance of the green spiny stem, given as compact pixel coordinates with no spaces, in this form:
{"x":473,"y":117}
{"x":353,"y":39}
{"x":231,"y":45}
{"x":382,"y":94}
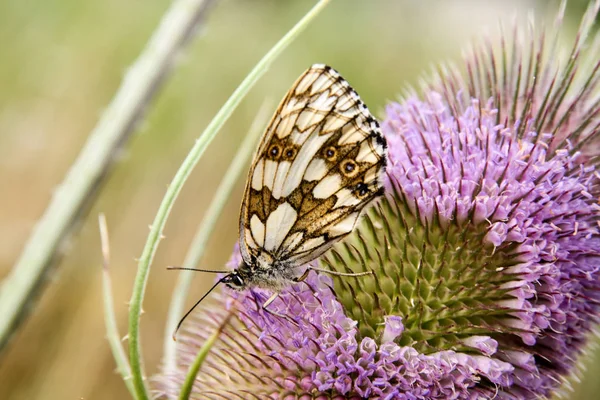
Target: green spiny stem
{"x":135,"y":305}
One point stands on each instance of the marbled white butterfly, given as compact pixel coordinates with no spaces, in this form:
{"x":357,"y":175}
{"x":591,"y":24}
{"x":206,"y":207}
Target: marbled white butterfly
{"x":319,"y":163}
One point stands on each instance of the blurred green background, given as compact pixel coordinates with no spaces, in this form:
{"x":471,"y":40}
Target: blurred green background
{"x":60,"y":63}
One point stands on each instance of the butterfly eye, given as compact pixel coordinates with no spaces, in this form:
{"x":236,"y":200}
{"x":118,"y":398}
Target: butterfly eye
{"x":234,"y":281}
{"x":237,"y":280}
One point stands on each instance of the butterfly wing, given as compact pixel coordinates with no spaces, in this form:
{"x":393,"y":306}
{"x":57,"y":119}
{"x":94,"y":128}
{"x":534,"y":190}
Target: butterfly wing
{"x":318,"y":165}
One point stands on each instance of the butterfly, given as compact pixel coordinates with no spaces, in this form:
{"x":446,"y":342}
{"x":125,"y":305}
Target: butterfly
{"x":318,"y":165}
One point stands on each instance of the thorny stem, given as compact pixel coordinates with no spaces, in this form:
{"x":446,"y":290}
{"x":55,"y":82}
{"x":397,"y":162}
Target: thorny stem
{"x":198,"y":245}
{"x":135,"y":305}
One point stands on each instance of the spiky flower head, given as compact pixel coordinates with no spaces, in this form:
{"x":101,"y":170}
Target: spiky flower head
{"x":485,"y":251}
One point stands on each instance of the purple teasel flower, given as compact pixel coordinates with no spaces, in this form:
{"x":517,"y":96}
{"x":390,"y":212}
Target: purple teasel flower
{"x":485,"y":251}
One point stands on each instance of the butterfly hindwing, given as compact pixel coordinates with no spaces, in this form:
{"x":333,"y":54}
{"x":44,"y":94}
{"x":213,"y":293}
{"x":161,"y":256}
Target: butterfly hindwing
{"x":318,"y":164}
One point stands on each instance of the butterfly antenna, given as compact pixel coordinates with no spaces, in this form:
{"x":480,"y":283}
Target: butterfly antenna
{"x":192,"y":309}
{"x":212,"y":271}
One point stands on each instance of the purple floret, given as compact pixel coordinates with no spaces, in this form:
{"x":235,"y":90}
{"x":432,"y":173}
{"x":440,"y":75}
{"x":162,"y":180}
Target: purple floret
{"x":541,"y":210}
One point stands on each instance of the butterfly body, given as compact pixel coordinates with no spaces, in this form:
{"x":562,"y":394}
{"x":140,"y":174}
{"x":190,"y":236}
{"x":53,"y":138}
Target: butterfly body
{"x":264,"y":272}
{"x":318,"y":165}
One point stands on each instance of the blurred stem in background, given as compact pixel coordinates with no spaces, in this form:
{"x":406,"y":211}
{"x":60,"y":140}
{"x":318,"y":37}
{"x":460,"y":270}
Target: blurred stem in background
{"x":74,"y":196}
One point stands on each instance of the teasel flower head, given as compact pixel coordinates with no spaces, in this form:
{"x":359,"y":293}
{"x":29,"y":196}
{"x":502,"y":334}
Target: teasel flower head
{"x":485,"y":251}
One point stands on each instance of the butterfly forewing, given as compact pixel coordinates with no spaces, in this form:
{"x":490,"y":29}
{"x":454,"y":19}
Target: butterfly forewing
{"x":319,"y":163}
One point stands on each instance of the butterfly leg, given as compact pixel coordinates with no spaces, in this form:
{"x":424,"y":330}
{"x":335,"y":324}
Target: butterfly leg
{"x":303,"y":276}
{"x":270,"y":300}
{"x":326,"y":271}
{"x":274,"y":313}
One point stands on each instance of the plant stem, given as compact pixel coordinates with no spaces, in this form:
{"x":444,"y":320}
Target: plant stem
{"x":198,"y":245}
{"x":188,"y":384}
{"x":135,"y":305}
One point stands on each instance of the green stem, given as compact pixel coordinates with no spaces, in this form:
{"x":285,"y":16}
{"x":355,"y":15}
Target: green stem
{"x":198,"y":245}
{"x":72,"y":198}
{"x":135,"y":305}
{"x":188,"y":384}
{"x":112,"y":333}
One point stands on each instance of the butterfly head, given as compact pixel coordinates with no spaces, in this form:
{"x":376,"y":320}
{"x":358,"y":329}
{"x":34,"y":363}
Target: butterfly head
{"x":234,"y":281}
